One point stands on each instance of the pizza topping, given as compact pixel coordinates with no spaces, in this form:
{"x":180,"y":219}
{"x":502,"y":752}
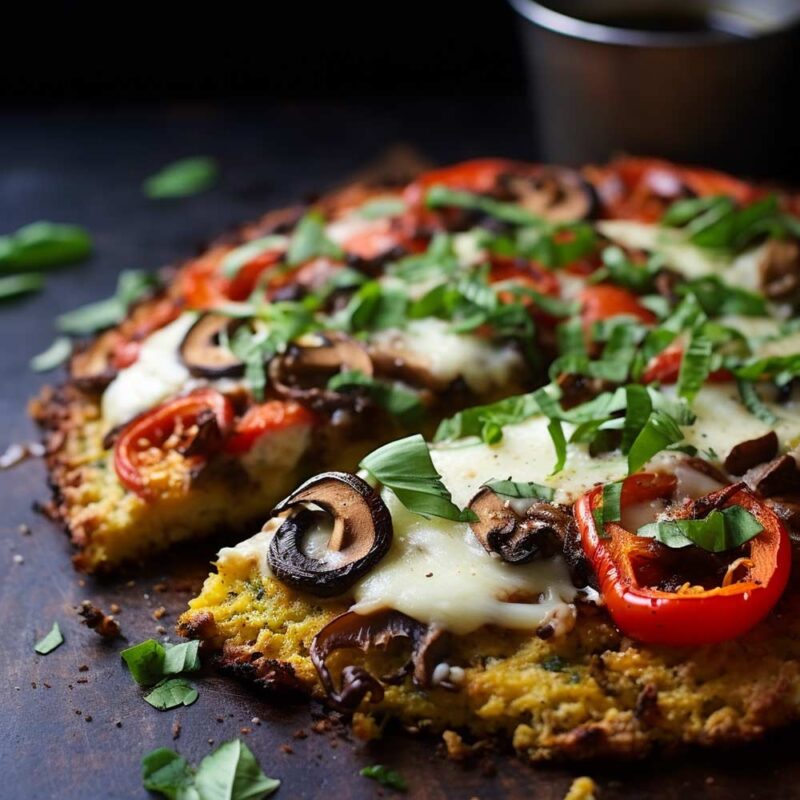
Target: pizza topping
{"x":380,"y":630}
{"x":752,"y":452}
{"x":556,"y":194}
{"x":203,"y":350}
{"x":91,"y":367}
{"x":518,"y":535}
{"x":779,"y":270}
{"x":302,"y":372}
{"x":734,"y":564}
{"x":360,"y":537}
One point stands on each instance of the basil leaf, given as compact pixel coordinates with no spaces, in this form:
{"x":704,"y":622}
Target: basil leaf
{"x":717,"y":299}
{"x":171,"y":693}
{"x":385,"y":777}
{"x":659,"y":432}
{"x":618,"y":269}
{"x":49,"y":642}
{"x":559,"y":443}
{"x":528,"y":489}
{"x":43,"y":244}
{"x":15,"y":285}
{"x":682,"y":212}
{"x":309,"y":240}
{"x":167,"y":773}
{"x":438,"y":261}
{"x":487,"y":421}
{"x":145,"y":661}
{"x":374,"y":307}
{"x":695,"y":367}
{"x":441,"y":196}
{"x":401,"y":403}
{"x":637,"y":413}
{"x":231,"y":772}
{"x":183,"y":657}
{"x":132,"y":285}
{"x":753,"y":402}
{"x":405,"y":467}
{"x":612,"y":499}
{"x":247,"y":252}
{"x":182,"y":178}
{"x":382,"y":207}
{"x":716,"y":533}
{"x":55,"y":355}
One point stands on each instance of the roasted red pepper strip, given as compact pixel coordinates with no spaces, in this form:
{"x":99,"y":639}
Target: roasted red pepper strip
{"x":153,"y":428}
{"x":269,"y":417}
{"x":681,"y":619}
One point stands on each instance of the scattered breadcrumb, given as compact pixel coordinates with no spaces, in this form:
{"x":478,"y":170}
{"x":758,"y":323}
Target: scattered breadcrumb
{"x":245,"y":731}
{"x":102,"y":624}
{"x":115,"y":608}
{"x":24,"y":529}
{"x":287,"y":748}
{"x":18,"y":559}
{"x":160,"y":613}
{"x":583,"y":788}
{"x":176,"y":729}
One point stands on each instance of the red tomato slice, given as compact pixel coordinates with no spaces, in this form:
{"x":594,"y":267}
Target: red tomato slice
{"x":269,"y":417}
{"x":666,"y":366}
{"x":604,"y":301}
{"x":153,"y":428}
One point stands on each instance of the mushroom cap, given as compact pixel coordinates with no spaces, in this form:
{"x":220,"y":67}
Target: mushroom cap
{"x":202,"y":352}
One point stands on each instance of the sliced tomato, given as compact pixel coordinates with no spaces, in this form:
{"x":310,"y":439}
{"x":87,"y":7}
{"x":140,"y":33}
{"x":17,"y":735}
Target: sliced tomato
{"x":479,"y":176}
{"x":140,"y":440}
{"x":682,"y":618}
{"x":526,"y":273}
{"x":603,"y":301}
{"x":666,"y":366}
{"x":269,"y":417}
{"x":241,"y":286}
{"x":125,"y":353}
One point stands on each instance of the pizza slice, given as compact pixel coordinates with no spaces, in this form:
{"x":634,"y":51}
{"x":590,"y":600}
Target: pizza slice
{"x":600,"y":566}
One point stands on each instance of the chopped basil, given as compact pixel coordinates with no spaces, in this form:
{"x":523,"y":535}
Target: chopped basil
{"x":527,"y":489}
{"x":438,"y":261}
{"x":695,"y":367}
{"x":719,"y":531}
{"x":132,"y":285}
{"x":718,"y":299}
{"x":231,"y":772}
{"x":150,"y":661}
{"x":49,"y":642}
{"x":559,"y":443}
{"x":245,"y":253}
{"x":753,"y":402}
{"x":15,"y":285}
{"x":637,"y":413}
{"x":55,"y":355}
{"x":374,"y":307}
{"x":399,"y":402}
{"x":487,"y":421}
{"x":43,"y":244}
{"x":618,"y":269}
{"x":612,"y":502}
{"x":182,"y":178}
{"x":171,"y":693}
{"x":309,"y":240}
{"x":381,"y":207}
{"x":441,"y":196}
{"x":405,"y":467}
{"x":385,"y":777}
{"x":660,"y":431}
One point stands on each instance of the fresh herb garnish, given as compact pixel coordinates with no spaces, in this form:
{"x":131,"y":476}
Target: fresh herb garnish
{"x":381,"y":207}
{"x":43,"y":244}
{"x":612,"y":502}
{"x":231,"y":772}
{"x":374,"y":307}
{"x":526,"y":489}
{"x":132,"y":285}
{"x":49,"y":642}
{"x":442,"y":196}
{"x":487,"y":421}
{"x":55,"y":355}
{"x":399,"y":402}
{"x":182,"y":178}
{"x":385,"y":777}
{"x":753,"y":403}
{"x":695,"y":366}
{"x":405,"y":467}
{"x":717,"y":298}
{"x":618,"y":269}
{"x":15,"y":285}
{"x":150,"y":661}
{"x":719,"y":531}
{"x":171,"y":693}
{"x":309,"y":240}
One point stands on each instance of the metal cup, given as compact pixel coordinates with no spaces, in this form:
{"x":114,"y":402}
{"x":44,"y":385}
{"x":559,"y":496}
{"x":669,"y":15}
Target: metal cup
{"x":718,"y":94}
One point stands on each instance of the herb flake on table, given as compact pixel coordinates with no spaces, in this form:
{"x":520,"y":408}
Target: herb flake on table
{"x":150,"y":661}
{"x":55,"y":355}
{"x":231,"y":772}
{"x":43,"y":244}
{"x":171,"y":693}
{"x":50,"y":642}
{"x":182,"y":178}
{"x":385,"y":777}
{"x":16,"y":285}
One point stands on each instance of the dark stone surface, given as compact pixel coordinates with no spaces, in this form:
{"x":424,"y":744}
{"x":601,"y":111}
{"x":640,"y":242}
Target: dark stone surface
{"x":86,"y":168}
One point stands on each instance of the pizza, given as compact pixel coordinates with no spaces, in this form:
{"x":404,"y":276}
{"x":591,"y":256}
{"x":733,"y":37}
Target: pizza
{"x":598,"y":559}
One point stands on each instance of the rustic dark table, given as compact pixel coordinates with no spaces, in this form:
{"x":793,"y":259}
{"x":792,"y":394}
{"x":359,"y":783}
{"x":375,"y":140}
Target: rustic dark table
{"x":73,"y":724}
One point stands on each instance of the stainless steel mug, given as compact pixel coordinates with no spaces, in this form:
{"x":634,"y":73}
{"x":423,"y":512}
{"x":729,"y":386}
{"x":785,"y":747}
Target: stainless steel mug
{"x":711,"y":81}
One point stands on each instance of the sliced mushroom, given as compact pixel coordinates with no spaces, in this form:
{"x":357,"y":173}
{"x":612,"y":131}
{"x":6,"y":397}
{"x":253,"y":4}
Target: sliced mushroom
{"x":356,"y":631}
{"x":557,"y":194}
{"x":91,"y":368}
{"x":202,"y":351}
{"x":538,"y":531}
{"x":780,"y":272}
{"x":361,"y":536}
{"x":751,"y":453}
{"x":394,"y":361}
{"x":781,"y":476}
{"x":303,"y":371}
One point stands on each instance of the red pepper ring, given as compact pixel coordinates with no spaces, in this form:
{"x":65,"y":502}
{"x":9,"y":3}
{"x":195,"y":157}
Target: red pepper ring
{"x":689,"y":619}
{"x":154,"y":427}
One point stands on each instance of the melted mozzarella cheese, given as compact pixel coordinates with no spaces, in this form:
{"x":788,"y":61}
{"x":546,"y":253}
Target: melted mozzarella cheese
{"x":448,"y":355}
{"x":156,"y":374}
{"x":686,"y":258}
